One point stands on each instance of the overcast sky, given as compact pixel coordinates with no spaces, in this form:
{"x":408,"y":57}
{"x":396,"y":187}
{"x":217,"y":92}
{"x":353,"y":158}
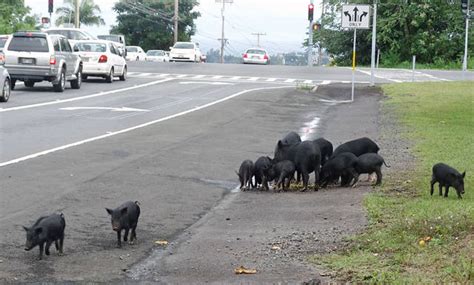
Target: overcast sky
{"x":284,"y":22}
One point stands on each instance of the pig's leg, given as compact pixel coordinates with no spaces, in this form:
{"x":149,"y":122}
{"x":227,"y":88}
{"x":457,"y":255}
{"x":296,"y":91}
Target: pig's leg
{"x":446,"y":192}
{"x":316,"y":179}
{"x":119,"y":242}
{"x":433,"y":181}
{"x":459,"y":194}
{"x":305,"y":176}
{"x":61,"y":243}
{"x":41,"y":246}
{"x":125,"y":236}
{"x":48,"y":245}
{"x":133,"y":236}
{"x":56,"y":244}
{"x":440,"y":189}
{"x":379,"y":176}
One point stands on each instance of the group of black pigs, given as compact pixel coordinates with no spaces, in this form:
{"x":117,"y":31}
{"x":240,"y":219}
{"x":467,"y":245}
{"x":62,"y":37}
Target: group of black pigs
{"x":49,"y":229}
{"x":344,"y":164}
{"x":291,"y":155}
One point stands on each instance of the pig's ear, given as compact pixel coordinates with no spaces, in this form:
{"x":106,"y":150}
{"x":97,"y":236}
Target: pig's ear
{"x":123,"y":211}
{"x":38,"y":230}
{"x":280,"y":144}
{"x":109,"y":211}
{"x":463,"y":174}
{"x":26,"y":229}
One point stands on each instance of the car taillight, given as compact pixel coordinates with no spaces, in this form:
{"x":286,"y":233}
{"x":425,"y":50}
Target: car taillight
{"x":103,"y":58}
{"x":265,"y":56}
{"x":245,"y":55}
{"x":52,"y":60}
{"x":2,"y":58}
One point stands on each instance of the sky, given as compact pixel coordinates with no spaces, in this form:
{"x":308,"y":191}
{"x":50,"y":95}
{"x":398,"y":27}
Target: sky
{"x":283,"y":22}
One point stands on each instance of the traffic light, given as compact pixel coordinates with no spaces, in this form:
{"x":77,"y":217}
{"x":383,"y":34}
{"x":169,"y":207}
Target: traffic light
{"x":316,"y":27}
{"x":50,"y":6}
{"x":310,"y":12}
{"x":464,"y":6}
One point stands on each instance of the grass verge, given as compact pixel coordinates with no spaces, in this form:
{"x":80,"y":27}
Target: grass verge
{"x":438,"y":118}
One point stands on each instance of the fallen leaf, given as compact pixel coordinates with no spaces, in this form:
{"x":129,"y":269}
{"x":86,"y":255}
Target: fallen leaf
{"x":276,"y":247}
{"x":427,"y":239}
{"x":161,"y":242}
{"x":243,"y":270}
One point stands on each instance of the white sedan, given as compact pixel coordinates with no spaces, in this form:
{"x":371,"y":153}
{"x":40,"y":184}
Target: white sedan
{"x":256,"y":55}
{"x":185,"y":51}
{"x":135,"y":53}
{"x":102,"y":59}
{"x":157,"y":55}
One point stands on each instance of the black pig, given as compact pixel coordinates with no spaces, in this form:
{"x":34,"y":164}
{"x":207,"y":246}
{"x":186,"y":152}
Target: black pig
{"x":283,"y":170}
{"x":326,"y":149}
{"x":305,"y":155}
{"x":125,"y":217}
{"x":357,"y":147}
{"x":245,"y":174}
{"x":370,"y":163}
{"x":47,"y":229}
{"x":343,"y":165}
{"x":262,"y":165}
{"x":447,"y":176}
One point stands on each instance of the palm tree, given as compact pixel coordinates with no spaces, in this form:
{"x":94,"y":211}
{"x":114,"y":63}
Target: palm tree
{"x":89,"y":13}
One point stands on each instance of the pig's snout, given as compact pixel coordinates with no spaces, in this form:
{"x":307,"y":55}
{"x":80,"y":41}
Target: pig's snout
{"x":115,"y":227}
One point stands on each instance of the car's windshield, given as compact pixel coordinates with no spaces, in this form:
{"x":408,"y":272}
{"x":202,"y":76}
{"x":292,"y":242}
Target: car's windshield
{"x":256,"y":51}
{"x":91,"y":47}
{"x":31,"y":43}
{"x":184,"y":45}
{"x":113,"y":38}
{"x":132,"y":49}
{"x":155,"y":52}
{"x":2,"y":42}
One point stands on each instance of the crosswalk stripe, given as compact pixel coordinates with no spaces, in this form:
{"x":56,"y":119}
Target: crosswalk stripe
{"x":308,"y":81}
{"x":217,"y":77}
{"x":235,"y":78}
{"x":198,"y":76}
{"x":253,"y":78}
{"x":290,"y":80}
{"x":271,"y":79}
{"x":181,"y":75}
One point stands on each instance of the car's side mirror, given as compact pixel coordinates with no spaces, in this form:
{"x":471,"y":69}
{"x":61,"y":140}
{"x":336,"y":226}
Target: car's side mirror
{"x":171,"y":48}
{"x":76,"y":49}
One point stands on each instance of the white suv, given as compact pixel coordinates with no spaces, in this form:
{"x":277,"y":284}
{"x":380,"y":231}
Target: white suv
{"x":185,"y":51}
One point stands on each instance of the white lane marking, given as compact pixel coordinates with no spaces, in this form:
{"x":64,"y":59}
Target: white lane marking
{"x":432,"y":76}
{"x":271,"y":79}
{"x":144,"y":74}
{"x":206,"y":82}
{"x":85,"y":97}
{"x":109,"y":134}
{"x":120,"y":109}
{"x":163,"y":75}
{"x":235,"y":78}
{"x":198,"y":76}
{"x":181,"y":75}
{"x":378,"y":76}
{"x":217,"y":77}
{"x":290,"y":80}
{"x":308,"y":82}
{"x":253,"y":78}
{"x":325,"y":82}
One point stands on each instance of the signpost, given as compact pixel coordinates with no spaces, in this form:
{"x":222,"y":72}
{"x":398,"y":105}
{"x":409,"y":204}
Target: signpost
{"x":355,"y":17}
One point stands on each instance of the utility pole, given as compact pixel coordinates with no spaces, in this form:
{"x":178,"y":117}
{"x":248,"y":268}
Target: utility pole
{"x":258,"y":37}
{"x":77,"y":24}
{"x":464,"y":62}
{"x":323,"y":10}
{"x":374,"y":35}
{"x":310,"y":33}
{"x":175,"y":18}
{"x":222,"y":34}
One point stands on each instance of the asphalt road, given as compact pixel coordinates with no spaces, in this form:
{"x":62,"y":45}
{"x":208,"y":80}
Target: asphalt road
{"x":170,"y":136}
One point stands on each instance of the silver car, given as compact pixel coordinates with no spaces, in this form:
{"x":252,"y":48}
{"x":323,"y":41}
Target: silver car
{"x":34,"y":57}
{"x":4,"y":84}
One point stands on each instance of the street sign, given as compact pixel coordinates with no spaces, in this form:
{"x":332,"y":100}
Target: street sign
{"x":355,"y":16}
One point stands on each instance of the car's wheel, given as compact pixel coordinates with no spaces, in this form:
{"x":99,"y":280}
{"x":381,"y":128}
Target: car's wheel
{"x":110,"y":77}
{"x":61,"y":85}
{"x":5,"y":92}
{"x":76,"y":83}
{"x":12,"y":84}
{"x":29,"y":83}
{"x":123,"y":77}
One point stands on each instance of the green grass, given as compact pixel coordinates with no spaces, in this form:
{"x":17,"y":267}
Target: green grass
{"x":438,"y":118}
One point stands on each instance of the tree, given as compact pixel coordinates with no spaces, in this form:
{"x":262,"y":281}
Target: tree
{"x":14,"y":17}
{"x":431,"y":30}
{"x":88,"y":13}
{"x":149,"y":23}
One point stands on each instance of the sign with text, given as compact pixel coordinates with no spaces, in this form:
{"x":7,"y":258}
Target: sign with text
{"x":355,"y":16}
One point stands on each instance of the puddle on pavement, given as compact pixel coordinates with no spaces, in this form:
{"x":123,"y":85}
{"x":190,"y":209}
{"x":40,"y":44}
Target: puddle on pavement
{"x":309,"y":130}
{"x":224,"y":184}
